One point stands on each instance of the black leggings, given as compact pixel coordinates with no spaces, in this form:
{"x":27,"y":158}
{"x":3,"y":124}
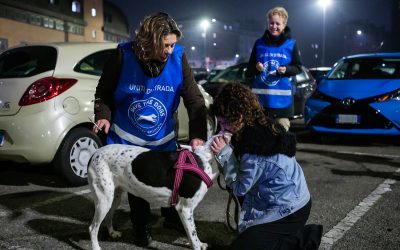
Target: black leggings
{"x":287,"y":233}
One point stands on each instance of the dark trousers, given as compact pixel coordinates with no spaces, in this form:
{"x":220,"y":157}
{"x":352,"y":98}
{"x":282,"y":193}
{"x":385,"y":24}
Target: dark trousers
{"x":287,"y":233}
{"x":141,"y":213}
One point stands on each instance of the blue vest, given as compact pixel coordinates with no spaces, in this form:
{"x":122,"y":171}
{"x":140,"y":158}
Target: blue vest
{"x":144,"y":105}
{"x":273,"y":90}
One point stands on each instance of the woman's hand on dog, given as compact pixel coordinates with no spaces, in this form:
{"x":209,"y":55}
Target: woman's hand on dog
{"x":101,"y":125}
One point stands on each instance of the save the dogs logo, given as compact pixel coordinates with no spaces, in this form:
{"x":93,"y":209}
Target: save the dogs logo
{"x":269,"y":75}
{"x":148,"y":115}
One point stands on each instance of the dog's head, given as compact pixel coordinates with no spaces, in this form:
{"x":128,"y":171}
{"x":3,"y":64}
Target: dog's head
{"x":207,"y":156}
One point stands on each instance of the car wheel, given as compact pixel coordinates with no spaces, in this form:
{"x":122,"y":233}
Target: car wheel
{"x":74,"y":154}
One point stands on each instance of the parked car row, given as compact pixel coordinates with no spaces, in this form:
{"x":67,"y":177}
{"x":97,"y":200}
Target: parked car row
{"x":303,"y":84}
{"x":47,"y":91}
{"x":46,"y":105}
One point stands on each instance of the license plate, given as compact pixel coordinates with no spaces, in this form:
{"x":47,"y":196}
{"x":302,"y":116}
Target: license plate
{"x":1,"y":139}
{"x":347,"y":119}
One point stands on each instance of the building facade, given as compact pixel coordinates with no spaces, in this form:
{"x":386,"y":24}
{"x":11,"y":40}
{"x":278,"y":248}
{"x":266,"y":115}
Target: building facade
{"x":35,"y":21}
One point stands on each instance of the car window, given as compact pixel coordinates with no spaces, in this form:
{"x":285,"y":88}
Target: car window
{"x":93,"y":64}
{"x":231,"y":74}
{"x":367,"y":68}
{"x":27,"y":61}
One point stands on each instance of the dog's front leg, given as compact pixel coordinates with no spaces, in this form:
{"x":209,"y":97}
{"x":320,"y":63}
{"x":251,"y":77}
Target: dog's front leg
{"x":186,"y":215}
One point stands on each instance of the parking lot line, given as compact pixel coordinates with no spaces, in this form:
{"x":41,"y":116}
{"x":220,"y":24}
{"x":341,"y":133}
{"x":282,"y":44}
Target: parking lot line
{"x":60,"y":198}
{"x":338,"y":231}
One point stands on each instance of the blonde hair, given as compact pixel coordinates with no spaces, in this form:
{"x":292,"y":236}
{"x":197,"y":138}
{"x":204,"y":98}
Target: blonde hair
{"x":280,"y":11}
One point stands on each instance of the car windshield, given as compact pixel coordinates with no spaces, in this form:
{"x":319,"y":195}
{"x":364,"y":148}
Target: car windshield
{"x":27,"y":61}
{"x":367,"y":68}
{"x":234,"y":73}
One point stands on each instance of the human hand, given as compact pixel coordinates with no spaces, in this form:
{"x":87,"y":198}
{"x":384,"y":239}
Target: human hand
{"x":218,"y":143}
{"x":194,"y":143}
{"x":102,"y":124}
{"x":260,"y":66}
{"x":281,"y":70}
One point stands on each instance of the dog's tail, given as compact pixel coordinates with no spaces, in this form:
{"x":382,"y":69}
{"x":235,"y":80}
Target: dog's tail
{"x":90,"y":160}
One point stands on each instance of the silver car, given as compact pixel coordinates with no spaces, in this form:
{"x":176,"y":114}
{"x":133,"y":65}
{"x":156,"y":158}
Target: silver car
{"x":46,"y":105}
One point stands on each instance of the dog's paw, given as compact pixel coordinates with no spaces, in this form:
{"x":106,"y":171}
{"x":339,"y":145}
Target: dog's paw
{"x":204,"y":246}
{"x":115,"y":234}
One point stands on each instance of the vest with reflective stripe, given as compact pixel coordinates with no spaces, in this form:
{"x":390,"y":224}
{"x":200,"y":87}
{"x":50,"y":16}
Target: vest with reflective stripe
{"x":144,"y":105}
{"x":273,"y":90}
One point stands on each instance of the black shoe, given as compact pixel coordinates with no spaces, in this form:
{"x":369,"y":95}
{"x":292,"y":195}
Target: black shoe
{"x":143,"y":236}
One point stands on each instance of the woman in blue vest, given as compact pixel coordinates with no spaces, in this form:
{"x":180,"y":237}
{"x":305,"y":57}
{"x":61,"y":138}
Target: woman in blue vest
{"x":137,"y":98}
{"x":275,"y":57}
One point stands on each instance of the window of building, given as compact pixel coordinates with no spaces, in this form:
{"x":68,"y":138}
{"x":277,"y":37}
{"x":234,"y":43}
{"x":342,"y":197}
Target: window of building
{"x":93,"y":12}
{"x":76,"y":7}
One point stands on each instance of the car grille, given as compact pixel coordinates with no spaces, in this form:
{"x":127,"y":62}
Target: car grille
{"x":369,"y":117}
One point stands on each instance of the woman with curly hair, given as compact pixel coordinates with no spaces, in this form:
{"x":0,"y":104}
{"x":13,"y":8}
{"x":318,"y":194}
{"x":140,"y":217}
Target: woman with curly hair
{"x":137,"y":98}
{"x":259,"y":165}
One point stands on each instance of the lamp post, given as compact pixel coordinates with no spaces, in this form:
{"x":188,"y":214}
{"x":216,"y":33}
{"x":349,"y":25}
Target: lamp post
{"x":323,"y":4}
{"x":204,"y":25}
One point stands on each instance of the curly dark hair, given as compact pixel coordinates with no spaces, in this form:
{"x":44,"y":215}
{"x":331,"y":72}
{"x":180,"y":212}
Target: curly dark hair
{"x":235,"y":102}
{"x":150,"y":34}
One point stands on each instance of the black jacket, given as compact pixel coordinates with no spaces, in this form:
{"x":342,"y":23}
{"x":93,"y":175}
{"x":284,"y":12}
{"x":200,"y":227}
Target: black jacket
{"x":260,"y":140}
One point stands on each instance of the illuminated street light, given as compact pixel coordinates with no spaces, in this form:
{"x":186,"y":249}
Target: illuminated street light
{"x":324,"y":4}
{"x":204,"y":25}
{"x":359,"y":32}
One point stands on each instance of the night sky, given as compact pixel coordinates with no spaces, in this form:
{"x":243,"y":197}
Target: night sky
{"x":305,"y":16}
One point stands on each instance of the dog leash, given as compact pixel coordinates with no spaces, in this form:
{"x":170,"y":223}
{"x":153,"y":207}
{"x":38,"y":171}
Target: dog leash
{"x":232,"y":197}
{"x":181,"y":166}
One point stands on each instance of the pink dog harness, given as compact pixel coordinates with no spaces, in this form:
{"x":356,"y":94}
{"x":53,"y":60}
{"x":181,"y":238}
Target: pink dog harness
{"x":182,"y":165}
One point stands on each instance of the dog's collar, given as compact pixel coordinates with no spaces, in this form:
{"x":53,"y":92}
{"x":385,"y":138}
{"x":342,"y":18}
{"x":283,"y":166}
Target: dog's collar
{"x":182,"y":165}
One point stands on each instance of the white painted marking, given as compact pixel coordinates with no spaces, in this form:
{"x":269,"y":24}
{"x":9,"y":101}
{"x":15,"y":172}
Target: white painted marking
{"x":369,"y":154}
{"x":338,"y":231}
{"x":60,"y":198}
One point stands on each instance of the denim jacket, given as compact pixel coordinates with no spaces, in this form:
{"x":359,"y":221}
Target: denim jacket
{"x":273,"y":186}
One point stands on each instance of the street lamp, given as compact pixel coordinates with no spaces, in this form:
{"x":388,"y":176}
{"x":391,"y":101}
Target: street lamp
{"x":204,"y":25}
{"x":323,"y":4}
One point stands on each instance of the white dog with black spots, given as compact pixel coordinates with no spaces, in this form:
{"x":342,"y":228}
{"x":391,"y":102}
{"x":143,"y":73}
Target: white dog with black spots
{"x":115,"y":169}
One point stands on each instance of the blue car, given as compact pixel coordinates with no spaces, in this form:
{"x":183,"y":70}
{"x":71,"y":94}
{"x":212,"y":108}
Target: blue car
{"x":360,"y":95}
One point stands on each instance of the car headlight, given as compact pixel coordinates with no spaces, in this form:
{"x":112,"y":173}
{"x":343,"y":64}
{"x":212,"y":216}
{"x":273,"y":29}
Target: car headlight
{"x":395,"y":95}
